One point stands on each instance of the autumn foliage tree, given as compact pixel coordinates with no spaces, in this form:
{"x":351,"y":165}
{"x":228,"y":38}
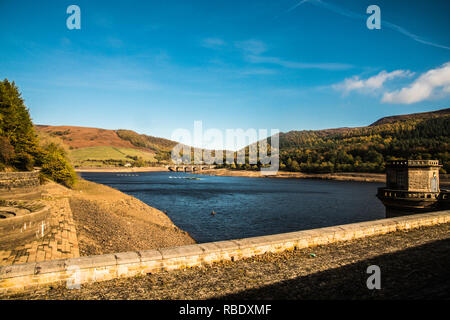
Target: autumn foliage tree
{"x":56,"y":166}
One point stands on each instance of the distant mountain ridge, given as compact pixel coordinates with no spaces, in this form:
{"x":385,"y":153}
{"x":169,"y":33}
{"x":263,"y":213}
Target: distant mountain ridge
{"x":422,"y":115}
{"x":419,"y":135}
{"x":366,"y":149}
{"x":379,"y":122}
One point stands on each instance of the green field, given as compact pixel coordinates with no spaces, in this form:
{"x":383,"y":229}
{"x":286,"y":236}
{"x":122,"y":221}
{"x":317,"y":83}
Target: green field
{"x":97,"y":154}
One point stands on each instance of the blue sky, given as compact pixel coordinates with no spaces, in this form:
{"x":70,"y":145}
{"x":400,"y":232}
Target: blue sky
{"x":155,"y":66}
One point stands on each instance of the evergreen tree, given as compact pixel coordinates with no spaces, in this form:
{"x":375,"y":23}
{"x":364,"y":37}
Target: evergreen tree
{"x":19,"y":147}
{"x":16,"y":126}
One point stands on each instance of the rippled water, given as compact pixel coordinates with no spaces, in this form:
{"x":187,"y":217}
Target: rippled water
{"x":247,"y":207}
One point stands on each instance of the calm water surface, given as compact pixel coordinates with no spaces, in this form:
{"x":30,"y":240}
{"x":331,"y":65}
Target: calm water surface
{"x":247,"y":207}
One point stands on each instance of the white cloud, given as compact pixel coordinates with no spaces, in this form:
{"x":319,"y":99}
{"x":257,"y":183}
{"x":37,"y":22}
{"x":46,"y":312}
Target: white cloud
{"x":370,"y":84}
{"x":431,"y":83}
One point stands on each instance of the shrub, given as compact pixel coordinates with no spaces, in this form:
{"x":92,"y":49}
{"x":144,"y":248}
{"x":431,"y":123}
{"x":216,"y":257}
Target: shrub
{"x":23,"y":161}
{"x":56,"y":166}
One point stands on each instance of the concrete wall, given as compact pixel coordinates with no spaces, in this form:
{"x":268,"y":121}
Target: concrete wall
{"x":12,"y":180}
{"x":105,"y":267}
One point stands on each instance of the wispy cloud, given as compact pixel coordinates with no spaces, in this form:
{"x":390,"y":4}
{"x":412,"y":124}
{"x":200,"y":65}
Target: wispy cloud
{"x":354,"y":15}
{"x":252,"y":46}
{"x":114,"y":42}
{"x":432,"y":83}
{"x":296,"y":6}
{"x":213,"y":43}
{"x":253,"y":49}
{"x":370,"y":84}
{"x":298,"y":65}
{"x":258,"y":71}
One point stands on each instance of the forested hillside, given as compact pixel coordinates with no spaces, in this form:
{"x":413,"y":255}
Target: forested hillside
{"x":365,"y":149}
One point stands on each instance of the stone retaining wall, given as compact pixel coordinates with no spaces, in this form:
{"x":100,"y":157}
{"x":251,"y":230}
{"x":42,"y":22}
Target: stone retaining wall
{"x":13,"y":180}
{"x":76,"y":271}
{"x":25,"y":228}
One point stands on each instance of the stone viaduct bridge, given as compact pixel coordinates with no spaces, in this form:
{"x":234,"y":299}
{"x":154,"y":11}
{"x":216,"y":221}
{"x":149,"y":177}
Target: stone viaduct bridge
{"x":189,"y":168}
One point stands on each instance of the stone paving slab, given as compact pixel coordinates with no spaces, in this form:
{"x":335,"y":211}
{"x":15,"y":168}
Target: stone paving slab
{"x":60,"y":243}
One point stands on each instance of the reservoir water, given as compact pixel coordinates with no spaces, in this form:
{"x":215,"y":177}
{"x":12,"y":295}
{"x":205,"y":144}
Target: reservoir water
{"x":247,"y":207}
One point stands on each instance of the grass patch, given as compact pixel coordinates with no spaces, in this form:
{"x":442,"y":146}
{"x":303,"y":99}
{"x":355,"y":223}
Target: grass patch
{"x":92,"y":154}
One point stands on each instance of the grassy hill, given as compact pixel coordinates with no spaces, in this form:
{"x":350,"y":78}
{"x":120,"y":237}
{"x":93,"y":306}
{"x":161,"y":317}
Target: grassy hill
{"x":97,"y":156}
{"x":94,"y":147}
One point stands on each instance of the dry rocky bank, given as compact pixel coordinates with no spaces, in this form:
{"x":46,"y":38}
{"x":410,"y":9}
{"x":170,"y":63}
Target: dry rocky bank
{"x":351,"y":176}
{"x":109,"y":221}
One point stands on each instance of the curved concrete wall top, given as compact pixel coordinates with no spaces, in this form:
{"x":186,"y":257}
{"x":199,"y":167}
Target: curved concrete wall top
{"x":76,"y":271}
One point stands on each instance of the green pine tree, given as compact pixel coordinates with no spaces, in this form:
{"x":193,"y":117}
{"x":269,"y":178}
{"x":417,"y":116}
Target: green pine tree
{"x":16,"y":127}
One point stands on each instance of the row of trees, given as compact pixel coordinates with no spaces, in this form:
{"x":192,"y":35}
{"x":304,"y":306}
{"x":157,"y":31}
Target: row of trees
{"x":20,"y":148}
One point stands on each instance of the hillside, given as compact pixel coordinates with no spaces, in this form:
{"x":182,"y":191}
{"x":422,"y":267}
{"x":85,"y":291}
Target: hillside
{"x":365,"y":149}
{"x":145,"y":141}
{"x":422,"y":115}
{"x":94,"y":147}
{"x":81,"y":137}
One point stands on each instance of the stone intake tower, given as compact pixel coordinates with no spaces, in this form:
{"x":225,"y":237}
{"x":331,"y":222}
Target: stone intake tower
{"x":412,"y":186}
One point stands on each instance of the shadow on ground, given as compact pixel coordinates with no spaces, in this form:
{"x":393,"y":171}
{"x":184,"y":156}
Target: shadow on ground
{"x":421,"y":272}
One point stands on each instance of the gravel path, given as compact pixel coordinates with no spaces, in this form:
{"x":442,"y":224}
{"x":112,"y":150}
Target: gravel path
{"x":413,"y":264}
